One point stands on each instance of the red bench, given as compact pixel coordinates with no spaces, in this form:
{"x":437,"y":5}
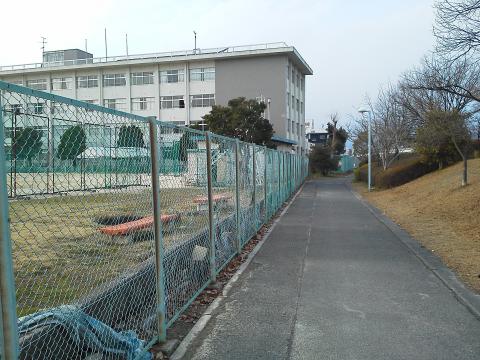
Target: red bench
{"x":140,"y":224}
{"x":202,"y":201}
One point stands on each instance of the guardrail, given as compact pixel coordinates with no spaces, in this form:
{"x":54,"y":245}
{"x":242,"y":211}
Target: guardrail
{"x":168,"y":54}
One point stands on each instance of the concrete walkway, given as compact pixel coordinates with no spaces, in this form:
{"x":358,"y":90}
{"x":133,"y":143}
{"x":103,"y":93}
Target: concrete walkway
{"x":333,"y":282}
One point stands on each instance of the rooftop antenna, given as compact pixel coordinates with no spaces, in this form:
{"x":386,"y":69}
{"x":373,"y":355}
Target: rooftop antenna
{"x":195,"y":48}
{"x":126,"y":43}
{"x":86,"y":47}
{"x":44,"y":42}
{"x":106,"y":52}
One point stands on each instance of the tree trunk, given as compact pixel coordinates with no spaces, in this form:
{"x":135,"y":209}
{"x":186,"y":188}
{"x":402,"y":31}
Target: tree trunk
{"x":463,"y":154}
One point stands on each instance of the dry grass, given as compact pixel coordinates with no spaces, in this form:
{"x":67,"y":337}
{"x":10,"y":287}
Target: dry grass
{"x":440,"y":214}
{"x":60,"y":256}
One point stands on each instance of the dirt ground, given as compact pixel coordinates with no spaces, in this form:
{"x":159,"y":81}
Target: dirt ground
{"x":439,"y":213}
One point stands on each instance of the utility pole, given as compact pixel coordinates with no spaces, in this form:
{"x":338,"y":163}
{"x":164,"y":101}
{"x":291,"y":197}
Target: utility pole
{"x":195,"y":48}
{"x":106,"y":51}
{"x":44,"y":42}
{"x":126,"y":43}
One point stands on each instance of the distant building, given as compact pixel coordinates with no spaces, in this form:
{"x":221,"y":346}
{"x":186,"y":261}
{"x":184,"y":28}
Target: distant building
{"x":180,"y":87}
{"x":317,"y":138}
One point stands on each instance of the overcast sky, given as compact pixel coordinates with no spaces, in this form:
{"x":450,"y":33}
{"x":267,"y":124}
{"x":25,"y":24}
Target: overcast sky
{"x":353,"y":46}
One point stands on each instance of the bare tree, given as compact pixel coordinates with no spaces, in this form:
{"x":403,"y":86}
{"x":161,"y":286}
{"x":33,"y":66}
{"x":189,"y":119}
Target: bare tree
{"x":457,"y":27}
{"x":446,"y":90}
{"x":456,"y":84}
{"x":391,"y":127}
{"x":446,"y":127}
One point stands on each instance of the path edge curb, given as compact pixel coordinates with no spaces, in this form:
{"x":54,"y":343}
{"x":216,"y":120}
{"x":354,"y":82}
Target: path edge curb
{"x":195,"y":331}
{"x":431,"y":261}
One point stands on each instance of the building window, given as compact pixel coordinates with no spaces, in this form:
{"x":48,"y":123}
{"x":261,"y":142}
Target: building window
{"x":288,"y":99}
{"x":116,"y":104}
{"x":114,"y":80}
{"x":170,"y":102}
{"x":40,"y":84}
{"x":62,"y":83}
{"x":202,"y":74}
{"x":172,"y":76}
{"x":289,"y":125}
{"x":141,"y":78}
{"x":293,"y":102}
{"x":90,"y":81}
{"x":302,"y":107}
{"x":143,"y":103}
{"x":202,"y":100}
{"x":36,"y":108}
{"x":16,"y":82}
{"x":13,"y":108}
{"x":54,"y":56}
{"x":298,"y":105}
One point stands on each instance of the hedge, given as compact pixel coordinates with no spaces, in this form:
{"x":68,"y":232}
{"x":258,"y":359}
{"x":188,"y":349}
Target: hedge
{"x":398,"y":174}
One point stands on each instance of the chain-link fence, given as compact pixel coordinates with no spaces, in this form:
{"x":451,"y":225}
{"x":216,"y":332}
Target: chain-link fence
{"x":113,"y":223}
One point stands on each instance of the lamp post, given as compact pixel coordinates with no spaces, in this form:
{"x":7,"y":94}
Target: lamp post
{"x":362,"y":111}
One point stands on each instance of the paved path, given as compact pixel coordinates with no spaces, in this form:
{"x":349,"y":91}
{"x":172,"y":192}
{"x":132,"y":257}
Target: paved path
{"x":333,"y":282}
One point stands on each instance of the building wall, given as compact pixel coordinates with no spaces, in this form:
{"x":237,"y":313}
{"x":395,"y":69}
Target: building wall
{"x":270,"y":77}
{"x":253,"y":78}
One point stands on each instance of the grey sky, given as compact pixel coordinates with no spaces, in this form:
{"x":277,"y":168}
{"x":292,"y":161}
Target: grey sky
{"x":352,"y":46}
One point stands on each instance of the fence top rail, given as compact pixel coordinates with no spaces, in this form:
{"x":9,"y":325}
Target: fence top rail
{"x":61,"y":99}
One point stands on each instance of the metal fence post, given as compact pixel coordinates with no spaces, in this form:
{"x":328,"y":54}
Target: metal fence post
{"x":237,"y":194}
{"x":265,"y":213}
{"x":211,"y":224}
{"x":160,"y":286}
{"x":279,"y":180}
{"x":254,"y":170}
{"x":9,"y":333}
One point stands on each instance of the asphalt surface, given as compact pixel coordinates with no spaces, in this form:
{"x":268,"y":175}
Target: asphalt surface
{"x":333,"y":282}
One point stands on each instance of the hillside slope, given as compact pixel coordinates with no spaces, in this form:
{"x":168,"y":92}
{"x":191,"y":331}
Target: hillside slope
{"x":440,"y":214}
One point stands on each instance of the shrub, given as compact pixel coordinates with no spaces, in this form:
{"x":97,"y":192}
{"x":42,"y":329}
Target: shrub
{"x":401,"y":172}
{"x":321,"y":160}
{"x":72,"y":143}
{"x":130,"y":136}
{"x":404,"y":172}
{"x":356,"y":174}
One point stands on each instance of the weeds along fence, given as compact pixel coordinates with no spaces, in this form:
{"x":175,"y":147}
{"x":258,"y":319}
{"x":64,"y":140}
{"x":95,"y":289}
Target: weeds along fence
{"x":111,"y":223}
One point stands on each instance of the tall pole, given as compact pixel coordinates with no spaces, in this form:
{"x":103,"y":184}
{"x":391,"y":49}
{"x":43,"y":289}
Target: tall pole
{"x":157,"y":221}
{"x":126,"y":43}
{"x":369,"y":153}
{"x":8,"y":313}
{"x":265,"y":192}
{"x":106,"y":51}
{"x":195,"y":48}
{"x":237,"y":195}
{"x":211,"y":220}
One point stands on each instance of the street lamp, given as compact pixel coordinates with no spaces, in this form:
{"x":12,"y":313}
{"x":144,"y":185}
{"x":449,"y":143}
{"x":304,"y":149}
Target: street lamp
{"x":362,"y":111}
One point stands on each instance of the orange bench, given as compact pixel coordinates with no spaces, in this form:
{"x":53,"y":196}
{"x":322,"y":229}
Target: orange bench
{"x":202,"y":201}
{"x":140,"y":224}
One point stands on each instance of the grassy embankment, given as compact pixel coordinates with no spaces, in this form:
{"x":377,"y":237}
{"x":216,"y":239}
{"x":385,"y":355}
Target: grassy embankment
{"x":440,"y":214}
